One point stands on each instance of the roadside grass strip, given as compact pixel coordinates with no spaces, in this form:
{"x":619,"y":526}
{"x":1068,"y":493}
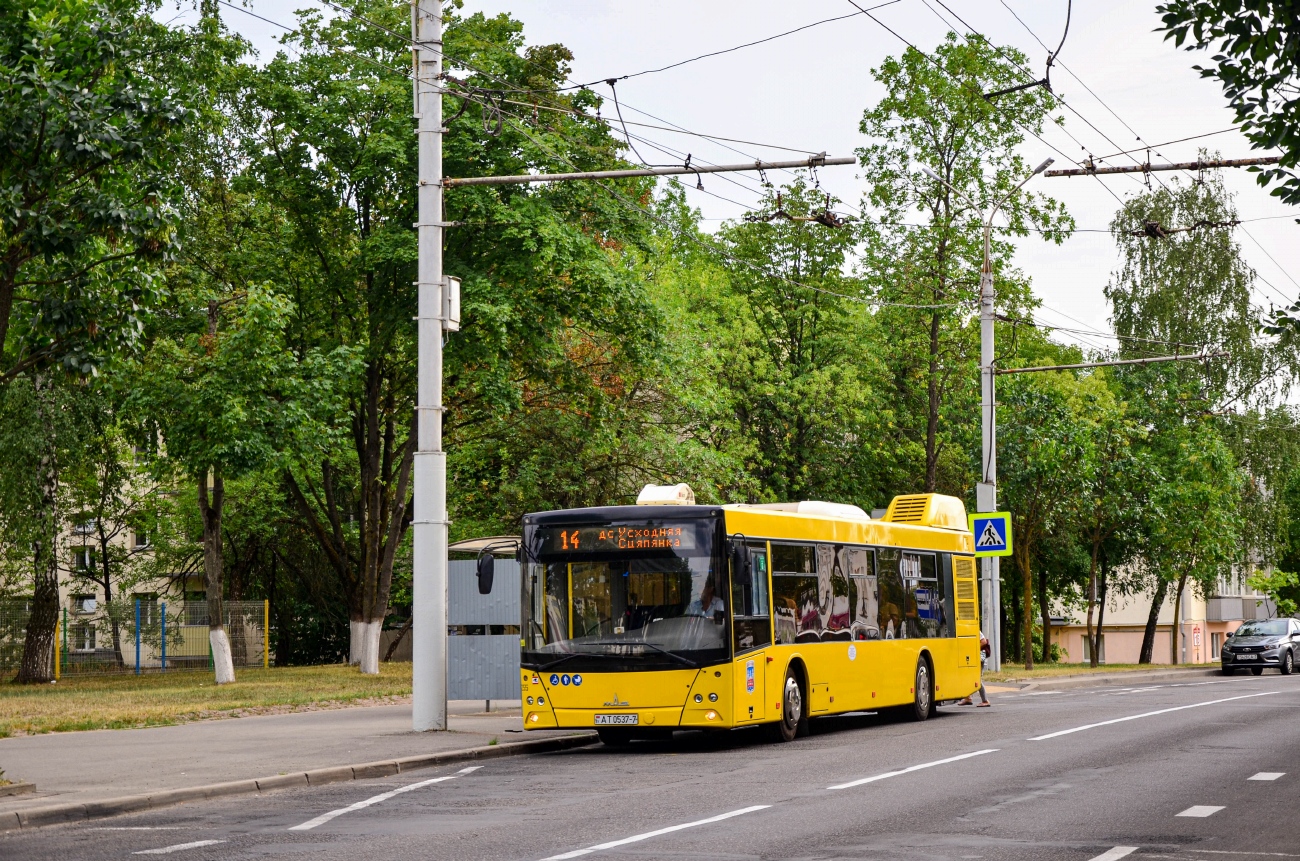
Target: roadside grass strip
{"x":910,"y":769}
{"x":578,"y":853}
{"x":1114,"y":854}
{"x":179,"y":847}
{"x":1060,"y":733}
{"x":375,"y":799}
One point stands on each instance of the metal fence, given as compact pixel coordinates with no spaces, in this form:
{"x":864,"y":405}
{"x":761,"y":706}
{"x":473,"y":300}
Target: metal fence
{"x":138,"y":636}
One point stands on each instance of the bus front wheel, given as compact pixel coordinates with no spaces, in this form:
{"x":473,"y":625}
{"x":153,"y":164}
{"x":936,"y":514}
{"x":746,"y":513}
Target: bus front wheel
{"x":923,"y":703}
{"x":794,"y":721}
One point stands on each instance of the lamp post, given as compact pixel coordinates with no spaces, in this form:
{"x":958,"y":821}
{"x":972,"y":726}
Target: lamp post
{"x":986,"y":492}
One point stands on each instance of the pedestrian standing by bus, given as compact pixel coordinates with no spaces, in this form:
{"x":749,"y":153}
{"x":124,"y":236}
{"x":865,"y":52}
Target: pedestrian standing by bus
{"x":985,"y":651}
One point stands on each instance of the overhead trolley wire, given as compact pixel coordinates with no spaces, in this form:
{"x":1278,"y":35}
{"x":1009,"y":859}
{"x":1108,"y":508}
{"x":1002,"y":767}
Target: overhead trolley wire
{"x":725,"y":50}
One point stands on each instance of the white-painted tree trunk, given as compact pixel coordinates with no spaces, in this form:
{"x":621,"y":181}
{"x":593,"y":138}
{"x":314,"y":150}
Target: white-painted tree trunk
{"x":222,"y":662}
{"x":354,"y":641}
{"x":365,"y":645}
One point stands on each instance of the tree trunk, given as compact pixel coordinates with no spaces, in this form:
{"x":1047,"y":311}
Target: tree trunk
{"x":932,"y":409}
{"x":222,"y":661}
{"x":1175,"y":647}
{"x":105,"y":569}
{"x":37,"y":665}
{"x":1045,"y":611}
{"x":1092,"y":602}
{"x":1153,"y":616}
{"x":1013,"y":628}
{"x":1101,"y":613}
{"x":1027,"y":611}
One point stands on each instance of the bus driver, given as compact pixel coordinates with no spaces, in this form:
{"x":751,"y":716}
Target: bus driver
{"x":708,"y":604}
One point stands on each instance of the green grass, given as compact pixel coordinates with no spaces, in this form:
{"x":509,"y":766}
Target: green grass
{"x":159,"y":699}
{"x":1017,"y":673}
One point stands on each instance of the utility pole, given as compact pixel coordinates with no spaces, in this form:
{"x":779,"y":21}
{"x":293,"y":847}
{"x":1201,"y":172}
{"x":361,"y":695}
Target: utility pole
{"x":986,"y":491}
{"x":1090,"y":169}
{"x":429,"y":521}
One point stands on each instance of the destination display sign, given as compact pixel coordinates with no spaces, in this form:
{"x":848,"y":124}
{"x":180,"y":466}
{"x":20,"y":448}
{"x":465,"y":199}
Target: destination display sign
{"x":625,"y":536}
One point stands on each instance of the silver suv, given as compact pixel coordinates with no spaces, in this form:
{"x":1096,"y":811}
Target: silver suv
{"x":1262,"y":643}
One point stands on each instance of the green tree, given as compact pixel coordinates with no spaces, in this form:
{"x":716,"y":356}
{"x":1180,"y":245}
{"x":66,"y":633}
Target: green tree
{"x":1258,"y":45}
{"x":1194,"y":512}
{"x":228,"y":401}
{"x":87,"y":217}
{"x":1046,"y":456}
{"x":934,"y":116}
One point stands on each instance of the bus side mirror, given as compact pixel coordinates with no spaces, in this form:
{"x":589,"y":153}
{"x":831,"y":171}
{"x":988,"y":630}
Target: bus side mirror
{"x":742,"y":566}
{"x":486,"y":568}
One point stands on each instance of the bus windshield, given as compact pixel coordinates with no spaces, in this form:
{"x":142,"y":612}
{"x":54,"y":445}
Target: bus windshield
{"x":616,"y":596}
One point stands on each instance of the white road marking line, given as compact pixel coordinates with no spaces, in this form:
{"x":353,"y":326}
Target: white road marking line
{"x":375,"y":799}
{"x":911,"y":768}
{"x":1114,"y":854}
{"x":1267,"y":775}
{"x":1148,"y":714}
{"x":167,"y":850}
{"x":577,"y":853}
{"x":1200,"y":811}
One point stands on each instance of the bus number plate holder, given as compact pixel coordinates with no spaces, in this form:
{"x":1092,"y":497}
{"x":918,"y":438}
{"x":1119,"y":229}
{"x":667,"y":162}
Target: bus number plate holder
{"x":616,"y":720}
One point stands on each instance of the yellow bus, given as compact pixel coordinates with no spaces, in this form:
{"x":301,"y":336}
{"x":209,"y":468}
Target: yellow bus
{"x":643,"y":619}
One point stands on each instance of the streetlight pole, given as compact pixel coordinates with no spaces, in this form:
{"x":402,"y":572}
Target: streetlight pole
{"x":986,"y":492}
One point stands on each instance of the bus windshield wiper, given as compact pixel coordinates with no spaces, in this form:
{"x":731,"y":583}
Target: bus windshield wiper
{"x":676,"y":657}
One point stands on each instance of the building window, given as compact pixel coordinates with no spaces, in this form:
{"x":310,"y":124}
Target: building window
{"x":84,"y":604}
{"x":1087,"y":650}
{"x":83,"y":637}
{"x":140,"y":538}
{"x":1216,"y":640}
{"x":82,"y":558}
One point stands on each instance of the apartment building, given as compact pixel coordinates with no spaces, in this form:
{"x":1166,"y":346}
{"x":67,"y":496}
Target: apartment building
{"x":1204,"y":623}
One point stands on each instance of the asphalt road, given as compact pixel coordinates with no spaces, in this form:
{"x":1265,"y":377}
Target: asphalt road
{"x":1166,"y":771}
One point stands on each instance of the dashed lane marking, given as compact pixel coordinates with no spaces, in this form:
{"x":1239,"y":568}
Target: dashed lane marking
{"x":577,"y":853}
{"x":1200,"y":811}
{"x":375,"y":799}
{"x":910,"y":769}
{"x":1059,"y":733}
{"x":179,"y":847}
{"x":1266,"y":775}
{"x":1114,"y":854}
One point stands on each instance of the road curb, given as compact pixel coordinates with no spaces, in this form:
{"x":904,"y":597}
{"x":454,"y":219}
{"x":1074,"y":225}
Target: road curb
{"x":1102,"y":679}
{"x":57,"y":814}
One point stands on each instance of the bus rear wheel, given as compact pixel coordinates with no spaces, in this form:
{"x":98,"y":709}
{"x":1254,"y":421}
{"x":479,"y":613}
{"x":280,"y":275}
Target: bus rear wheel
{"x":793,"y":722}
{"x":923,"y":702}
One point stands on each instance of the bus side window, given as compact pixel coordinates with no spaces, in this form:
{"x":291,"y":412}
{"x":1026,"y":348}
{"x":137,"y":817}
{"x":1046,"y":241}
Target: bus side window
{"x":890,"y":608}
{"x":796,"y":599}
{"x":864,"y":598}
{"x":947,"y":628}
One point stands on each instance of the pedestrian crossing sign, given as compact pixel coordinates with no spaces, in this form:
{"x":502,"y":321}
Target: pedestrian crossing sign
{"x":992,"y":531}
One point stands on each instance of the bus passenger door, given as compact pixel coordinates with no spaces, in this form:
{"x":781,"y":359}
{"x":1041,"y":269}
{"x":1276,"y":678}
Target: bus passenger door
{"x":751,"y":625}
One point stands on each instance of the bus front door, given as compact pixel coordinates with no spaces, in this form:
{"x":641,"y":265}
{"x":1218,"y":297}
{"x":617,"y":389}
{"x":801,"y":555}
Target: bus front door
{"x":751,"y":625}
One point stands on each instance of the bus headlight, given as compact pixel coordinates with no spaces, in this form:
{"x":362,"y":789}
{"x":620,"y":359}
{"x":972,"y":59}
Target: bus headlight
{"x":713,"y":698}
{"x":699,"y":699}
{"x":710,"y":715}
{"x":533,"y":717}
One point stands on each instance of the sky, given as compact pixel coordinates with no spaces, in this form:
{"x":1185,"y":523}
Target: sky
{"x":807,"y":92}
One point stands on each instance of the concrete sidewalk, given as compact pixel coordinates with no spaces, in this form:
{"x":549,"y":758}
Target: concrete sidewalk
{"x":78,"y":768}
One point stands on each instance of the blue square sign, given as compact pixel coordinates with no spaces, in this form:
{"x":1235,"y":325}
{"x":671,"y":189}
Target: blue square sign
{"x":992,"y":531}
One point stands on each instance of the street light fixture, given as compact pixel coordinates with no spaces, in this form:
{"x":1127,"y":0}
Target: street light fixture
{"x":986,"y":492}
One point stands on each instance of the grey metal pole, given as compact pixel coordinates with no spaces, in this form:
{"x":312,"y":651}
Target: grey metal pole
{"x":986,"y":491}
{"x":429,"y":521}
{"x":812,"y":161}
